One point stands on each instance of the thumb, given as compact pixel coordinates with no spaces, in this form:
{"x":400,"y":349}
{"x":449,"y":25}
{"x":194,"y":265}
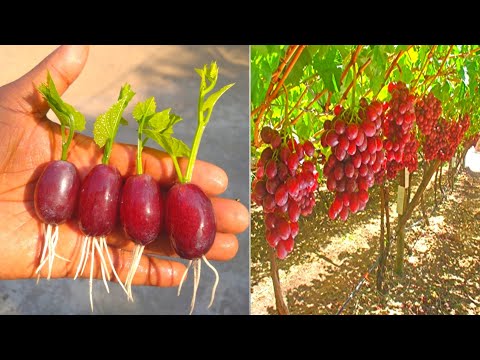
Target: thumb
{"x":64,"y":64}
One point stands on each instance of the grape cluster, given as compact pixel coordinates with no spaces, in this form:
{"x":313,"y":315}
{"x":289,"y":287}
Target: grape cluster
{"x":286,"y":179}
{"x":410,"y":154}
{"x":397,"y":128}
{"x":427,"y":112}
{"x":357,"y":155}
{"x":444,"y":139}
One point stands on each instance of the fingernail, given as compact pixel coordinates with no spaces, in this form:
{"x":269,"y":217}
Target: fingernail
{"x":75,"y":53}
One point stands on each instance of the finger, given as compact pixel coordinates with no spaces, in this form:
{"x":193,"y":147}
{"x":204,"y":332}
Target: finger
{"x":231,"y":216}
{"x":85,"y":154}
{"x":212,"y":179}
{"x":64,"y":64}
{"x":224,"y":248}
{"x":151,"y":271}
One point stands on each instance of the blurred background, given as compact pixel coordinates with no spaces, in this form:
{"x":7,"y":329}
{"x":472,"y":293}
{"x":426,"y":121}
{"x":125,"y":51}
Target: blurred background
{"x":166,"y":72}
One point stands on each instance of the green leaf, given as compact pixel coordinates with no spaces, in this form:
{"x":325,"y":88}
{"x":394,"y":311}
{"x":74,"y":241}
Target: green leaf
{"x":407,"y":75}
{"x":66,"y":113}
{"x":126,"y":93}
{"x":163,"y":120}
{"x":106,"y":125}
{"x":212,"y":99}
{"x":174,"y":147}
{"x":123,"y":121}
{"x":158,"y":121}
{"x":144,"y":109}
{"x":330,"y":66}
{"x":297,"y":72}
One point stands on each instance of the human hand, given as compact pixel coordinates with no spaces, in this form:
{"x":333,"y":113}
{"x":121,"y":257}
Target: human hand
{"x":28,"y":141}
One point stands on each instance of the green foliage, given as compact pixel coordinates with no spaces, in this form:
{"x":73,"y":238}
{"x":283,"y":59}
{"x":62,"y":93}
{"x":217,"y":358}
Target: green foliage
{"x":454,"y":81}
{"x":66,"y":113}
{"x":106,"y":125}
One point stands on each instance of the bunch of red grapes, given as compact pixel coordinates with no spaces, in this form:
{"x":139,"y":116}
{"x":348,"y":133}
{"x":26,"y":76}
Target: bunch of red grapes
{"x":444,"y":139}
{"x":357,"y":155}
{"x":410,"y":154}
{"x":397,"y":128}
{"x":286,"y":179}
{"x":427,"y":111}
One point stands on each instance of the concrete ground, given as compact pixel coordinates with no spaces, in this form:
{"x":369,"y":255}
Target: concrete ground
{"x":166,"y":72}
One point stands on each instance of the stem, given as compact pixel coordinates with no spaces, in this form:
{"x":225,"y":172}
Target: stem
{"x":106,"y":152}
{"x":287,"y":71}
{"x":62,"y":131}
{"x":360,"y":70}
{"x":66,"y":144}
{"x":418,"y":193}
{"x":318,"y":96}
{"x":285,"y":119}
{"x":193,"y":156}
{"x":354,"y":84}
{"x":423,"y":67}
{"x":177,"y":169}
{"x":352,"y":61}
{"x":400,"y":250}
{"x":380,"y":268}
{"x":282,"y":308}
{"x":387,"y":224}
{"x":139,"y":151}
{"x":271,"y":94}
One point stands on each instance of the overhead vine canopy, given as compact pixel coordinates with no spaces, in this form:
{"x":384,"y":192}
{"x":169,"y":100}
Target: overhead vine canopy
{"x":315,"y":78}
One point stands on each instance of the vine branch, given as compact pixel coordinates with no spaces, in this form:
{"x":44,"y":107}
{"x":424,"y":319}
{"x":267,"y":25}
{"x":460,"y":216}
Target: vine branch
{"x":360,"y":70}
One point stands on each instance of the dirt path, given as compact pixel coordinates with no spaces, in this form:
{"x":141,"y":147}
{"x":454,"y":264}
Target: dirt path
{"x":441,"y":273}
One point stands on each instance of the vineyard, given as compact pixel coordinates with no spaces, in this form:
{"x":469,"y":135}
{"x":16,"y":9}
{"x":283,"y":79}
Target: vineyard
{"x":360,"y":200}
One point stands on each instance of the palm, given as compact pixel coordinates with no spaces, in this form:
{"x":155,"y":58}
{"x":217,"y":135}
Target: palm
{"x":28,"y":140}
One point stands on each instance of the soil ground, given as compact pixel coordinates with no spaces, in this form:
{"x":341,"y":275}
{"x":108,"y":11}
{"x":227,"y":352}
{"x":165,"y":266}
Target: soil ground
{"x":441,"y":270}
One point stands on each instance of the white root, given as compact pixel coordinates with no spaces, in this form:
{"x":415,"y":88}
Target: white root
{"x":217,"y":279}
{"x":137,"y":263}
{"x":51,"y":253}
{"x":103,"y":265}
{"x":46,"y":237}
{"x":103,"y":243}
{"x":92,"y":260}
{"x":197,"y":267}
{"x":46,"y":229}
{"x":48,"y":252}
{"x":183,"y":278}
{"x":137,"y":256}
{"x":82,"y":257}
{"x":87,"y":253}
{"x":129,"y":275}
{"x":46,"y":256}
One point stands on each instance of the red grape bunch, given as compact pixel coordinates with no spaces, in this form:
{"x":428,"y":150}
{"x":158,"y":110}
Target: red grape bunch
{"x":397,"y":128}
{"x":357,"y":155}
{"x":444,"y":139}
{"x":427,"y":111}
{"x":286,"y":179}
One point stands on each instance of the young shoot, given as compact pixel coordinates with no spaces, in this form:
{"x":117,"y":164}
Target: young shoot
{"x":100,"y":194}
{"x":189,"y":216}
{"x":56,"y":191}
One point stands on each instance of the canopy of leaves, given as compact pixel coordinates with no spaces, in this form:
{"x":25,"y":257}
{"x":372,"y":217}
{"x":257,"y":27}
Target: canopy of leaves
{"x":315,"y":78}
